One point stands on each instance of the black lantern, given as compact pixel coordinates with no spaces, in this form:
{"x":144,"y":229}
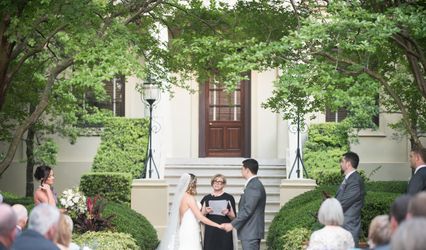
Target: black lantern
{"x":151,"y":93}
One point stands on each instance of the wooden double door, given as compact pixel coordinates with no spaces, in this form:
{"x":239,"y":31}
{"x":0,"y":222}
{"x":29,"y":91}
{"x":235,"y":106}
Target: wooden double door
{"x":224,"y":121}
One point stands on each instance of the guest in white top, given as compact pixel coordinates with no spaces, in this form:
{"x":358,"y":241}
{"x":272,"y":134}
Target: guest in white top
{"x":332,"y":236}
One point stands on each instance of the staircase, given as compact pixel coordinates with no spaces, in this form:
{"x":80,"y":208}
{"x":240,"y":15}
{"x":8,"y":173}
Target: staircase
{"x":271,"y":172}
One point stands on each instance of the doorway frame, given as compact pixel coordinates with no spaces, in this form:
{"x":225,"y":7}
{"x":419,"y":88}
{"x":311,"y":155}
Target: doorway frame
{"x":246,"y":119}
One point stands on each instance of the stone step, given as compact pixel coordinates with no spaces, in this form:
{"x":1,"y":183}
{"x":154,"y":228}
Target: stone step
{"x":228,"y":171}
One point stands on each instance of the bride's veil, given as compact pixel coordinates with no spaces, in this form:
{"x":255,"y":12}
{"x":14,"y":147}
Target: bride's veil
{"x":170,"y":240}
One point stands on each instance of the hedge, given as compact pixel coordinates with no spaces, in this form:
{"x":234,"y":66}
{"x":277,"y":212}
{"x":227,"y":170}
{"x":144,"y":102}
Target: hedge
{"x":106,"y":241}
{"x":301,"y":211}
{"x":110,"y":186}
{"x":326,"y":144}
{"x":294,"y":239}
{"x":128,"y":221}
{"x":123,"y":146}
{"x":11,"y":199}
{"x":328,"y":135}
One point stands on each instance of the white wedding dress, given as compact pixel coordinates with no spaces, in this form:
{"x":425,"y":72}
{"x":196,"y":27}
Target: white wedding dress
{"x":189,"y":232}
{"x":181,"y":234}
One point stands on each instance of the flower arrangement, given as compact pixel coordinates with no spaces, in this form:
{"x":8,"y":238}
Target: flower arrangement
{"x":86,"y":213}
{"x":93,"y":220}
{"x":74,"y":202}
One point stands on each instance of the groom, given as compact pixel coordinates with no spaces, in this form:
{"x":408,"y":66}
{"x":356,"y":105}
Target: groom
{"x":250,"y":222}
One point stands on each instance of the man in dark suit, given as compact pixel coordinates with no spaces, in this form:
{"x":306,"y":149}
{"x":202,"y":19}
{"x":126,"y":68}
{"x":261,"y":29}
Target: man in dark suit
{"x":42,"y":229}
{"x":8,"y":222}
{"x":250,"y":222}
{"x":351,"y":194}
{"x":417,"y":163}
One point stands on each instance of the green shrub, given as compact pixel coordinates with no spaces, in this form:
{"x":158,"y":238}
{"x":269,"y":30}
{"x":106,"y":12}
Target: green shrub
{"x":295,"y":239}
{"x":398,"y":187}
{"x":106,"y":241}
{"x":110,"y":186}
{"x":376,"y":203}
{"x":8,"y":195}
{"x":326,"y":144}
{"x":327,"y":135}
{"x":323,"y":159}
{"x":128,"y":221}
{"x":326,"y":176}
{"x":13,"y":199}
{"x":301,"y":211}
{"x":332,"y":176}
{"x":123,"y":146}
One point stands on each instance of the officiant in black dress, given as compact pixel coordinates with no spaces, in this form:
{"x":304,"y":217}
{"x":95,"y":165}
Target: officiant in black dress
{"x":220,"y":208}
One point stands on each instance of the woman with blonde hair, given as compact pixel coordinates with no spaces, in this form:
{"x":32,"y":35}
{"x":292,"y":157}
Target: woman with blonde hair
{"x":65,"y":227}
{"x":379,"y":232}
{"x":332,"y":236}
{"x":215,"y":238}
{"x":183,"y":230}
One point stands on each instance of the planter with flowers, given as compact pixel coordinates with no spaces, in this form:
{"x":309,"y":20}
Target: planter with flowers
{"x":86,"y":213}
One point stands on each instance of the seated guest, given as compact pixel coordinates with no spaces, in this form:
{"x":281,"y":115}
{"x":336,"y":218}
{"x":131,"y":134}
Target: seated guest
{"x":398,"y":211}
{"x":64,"y":234}
{"x":63,"y":240}
{"x":72,"y":245}
{"x":42,"y":229}
{"x":22,"y":214}
{"x":332,"y":236}
{"x":417,"y":206}
{"x":8,"y":222}
{"x":410,"y":235}
{"x":379,"y":233}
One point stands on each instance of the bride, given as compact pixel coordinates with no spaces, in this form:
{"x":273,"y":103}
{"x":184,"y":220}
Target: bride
{"x":183,"y":229}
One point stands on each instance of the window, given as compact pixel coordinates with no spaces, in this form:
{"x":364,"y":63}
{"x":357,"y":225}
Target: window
{"x":224,"y":106}
{"x":115,"y":89}
{"x":342,"y":113}
{"x":335,"y":116}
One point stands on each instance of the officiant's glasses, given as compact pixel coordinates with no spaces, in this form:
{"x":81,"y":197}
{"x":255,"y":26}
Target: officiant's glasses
{"x":218,"y":182}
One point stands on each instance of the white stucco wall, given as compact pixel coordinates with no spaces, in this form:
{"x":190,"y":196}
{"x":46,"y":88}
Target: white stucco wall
{"x":383,"y":152}
{"x":268,"y":131}
{"x":73,"y":161}
{"x":178,"y":134}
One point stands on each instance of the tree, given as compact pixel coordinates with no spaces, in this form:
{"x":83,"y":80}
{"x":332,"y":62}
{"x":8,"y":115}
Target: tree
{"x":204,"y":37}
{"x":345,"y":54}
{"x":53,"y":52}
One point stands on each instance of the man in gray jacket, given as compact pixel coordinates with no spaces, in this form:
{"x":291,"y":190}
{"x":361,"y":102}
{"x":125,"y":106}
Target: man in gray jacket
{"x":417,"y":163}
{"x":351,"y":194}
{"x":250,"y":221}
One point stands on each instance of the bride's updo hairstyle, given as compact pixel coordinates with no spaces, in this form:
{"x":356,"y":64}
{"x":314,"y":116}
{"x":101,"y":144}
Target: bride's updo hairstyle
{"x":42,"y":172}
{"x":192,"y":186}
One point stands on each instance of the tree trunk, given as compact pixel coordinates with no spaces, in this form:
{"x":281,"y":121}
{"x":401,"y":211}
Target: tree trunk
{"x":38,"y":111}
{"x":29,"y":190}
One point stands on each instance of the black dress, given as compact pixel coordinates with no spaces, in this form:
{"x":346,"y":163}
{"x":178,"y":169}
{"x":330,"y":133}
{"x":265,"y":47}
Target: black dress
{"x":215,"y":238}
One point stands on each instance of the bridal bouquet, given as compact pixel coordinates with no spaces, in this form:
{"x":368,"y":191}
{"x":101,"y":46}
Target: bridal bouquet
{"x":73,"y":201}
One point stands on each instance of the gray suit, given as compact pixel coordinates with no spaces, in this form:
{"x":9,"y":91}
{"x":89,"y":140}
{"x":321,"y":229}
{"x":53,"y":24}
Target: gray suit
{"x":417,"y":182}
{"x":30,"y":239}
{"x":351,"y":196}
{"x":250,"y":222}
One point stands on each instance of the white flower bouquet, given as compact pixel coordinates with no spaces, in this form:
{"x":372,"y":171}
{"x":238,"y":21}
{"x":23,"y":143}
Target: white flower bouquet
{"x":73,"y":201}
